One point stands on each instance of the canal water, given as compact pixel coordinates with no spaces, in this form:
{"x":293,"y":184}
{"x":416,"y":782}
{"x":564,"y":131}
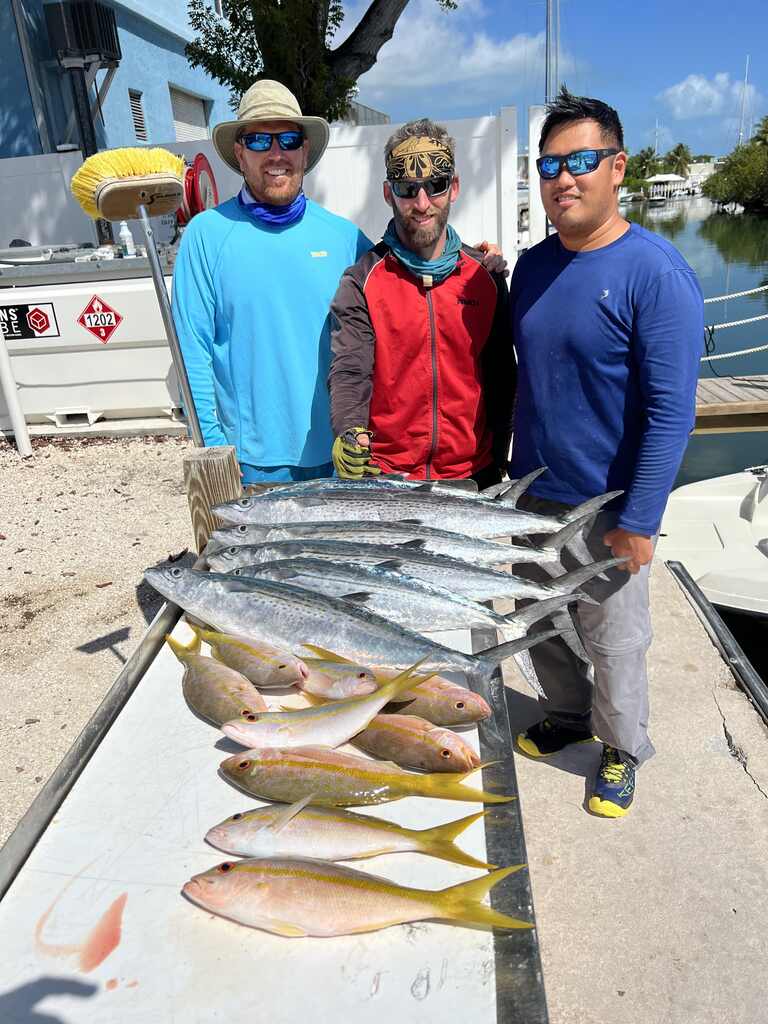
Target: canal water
{"x":729,"y":253}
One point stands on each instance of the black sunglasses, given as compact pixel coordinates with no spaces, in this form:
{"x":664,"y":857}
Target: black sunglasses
{"x":436,"y":186}
{"x":582,"y":161}
{"x":260,"y":142}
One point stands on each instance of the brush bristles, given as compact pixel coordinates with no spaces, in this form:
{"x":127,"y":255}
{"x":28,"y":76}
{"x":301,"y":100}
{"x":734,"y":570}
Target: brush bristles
{"x":119,"y":164}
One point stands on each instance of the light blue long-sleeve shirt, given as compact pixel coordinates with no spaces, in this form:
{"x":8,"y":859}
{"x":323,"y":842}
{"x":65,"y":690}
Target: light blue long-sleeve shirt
{"x":251,"y":308}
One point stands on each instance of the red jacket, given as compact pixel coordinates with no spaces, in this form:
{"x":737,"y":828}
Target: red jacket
{"x":429,"y":370}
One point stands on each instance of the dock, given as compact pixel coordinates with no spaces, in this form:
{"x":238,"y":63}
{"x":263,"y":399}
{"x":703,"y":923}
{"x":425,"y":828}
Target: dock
{"x":732,"y":404}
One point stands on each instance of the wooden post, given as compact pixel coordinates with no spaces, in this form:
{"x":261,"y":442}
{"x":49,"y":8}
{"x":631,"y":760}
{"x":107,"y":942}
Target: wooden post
{"x":211,"y":476}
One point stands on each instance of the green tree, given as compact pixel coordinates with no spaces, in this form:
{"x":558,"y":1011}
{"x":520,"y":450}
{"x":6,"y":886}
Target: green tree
{"x":760,"y":138}
{"x":742,"y":179}
{"x":643,"y":164}
{"x":289,"y":40}
{"x":678,"y":160}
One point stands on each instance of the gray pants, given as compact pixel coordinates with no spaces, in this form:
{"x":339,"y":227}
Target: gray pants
{"x":616,"y":634}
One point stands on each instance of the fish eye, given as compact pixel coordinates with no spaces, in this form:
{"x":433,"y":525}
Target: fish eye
{"x":225,"y":867}
{"x":237,"y":572}
{"x":459,"y":705}
{"x":237,"y":817}
{"x":445,"y":754}
{"x":282,"y":666}
{"x":242,"y":528}
{"x":244,"y":503}
{"x":249,"y":716}
{"x":176,"y":573}
{"x":232,"y":550}
{"x":242,"y":765}
{"x":361,"y":675}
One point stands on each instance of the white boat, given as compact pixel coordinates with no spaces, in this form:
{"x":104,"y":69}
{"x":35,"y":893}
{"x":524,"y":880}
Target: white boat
{"x":718,"y":529}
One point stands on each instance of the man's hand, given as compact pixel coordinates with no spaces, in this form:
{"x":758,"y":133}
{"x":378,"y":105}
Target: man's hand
{"x":635,"y":546}
{"x":351,"y":454}
{"x":493,"y":259}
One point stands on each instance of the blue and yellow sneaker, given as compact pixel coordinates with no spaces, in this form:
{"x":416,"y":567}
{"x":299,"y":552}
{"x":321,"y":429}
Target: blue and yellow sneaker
{"x":614,"y":785}
{"x":548,"y":737}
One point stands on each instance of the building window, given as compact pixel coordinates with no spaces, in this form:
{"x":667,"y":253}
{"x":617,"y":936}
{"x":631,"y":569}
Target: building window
{"x":190,"y":116}
{"x":137,"y":113}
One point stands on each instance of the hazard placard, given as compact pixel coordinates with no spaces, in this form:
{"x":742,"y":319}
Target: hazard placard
{"x":28,"y":321}
{"x":100,"y":319}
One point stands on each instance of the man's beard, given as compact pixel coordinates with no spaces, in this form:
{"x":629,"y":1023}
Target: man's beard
{"x":273,"y":196}
{"x":421,"y":237}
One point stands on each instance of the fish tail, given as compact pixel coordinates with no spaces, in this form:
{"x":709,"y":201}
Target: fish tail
{"x":439,"y":842}
{"x":511,"y":493}
{"x":442,"y":786}
{"x":538,"y":610}
{"x":575,"y":579}
{"x":182,"y":651}
{"x":463,"y":902}
{"x":487,"y":660}
{"x":590,"y":507}
{"x":404,"y":681}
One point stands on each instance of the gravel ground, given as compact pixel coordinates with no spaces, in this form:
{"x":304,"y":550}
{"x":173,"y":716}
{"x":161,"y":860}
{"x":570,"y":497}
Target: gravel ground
{"x":79,"y":522}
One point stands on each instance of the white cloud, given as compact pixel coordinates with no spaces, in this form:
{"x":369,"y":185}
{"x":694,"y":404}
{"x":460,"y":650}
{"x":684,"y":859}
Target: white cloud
{"x":448,"y":54}
{"x":697,"y":96}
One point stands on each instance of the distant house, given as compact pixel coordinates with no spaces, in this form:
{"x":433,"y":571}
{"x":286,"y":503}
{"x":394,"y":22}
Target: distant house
{"x":150,"y":96}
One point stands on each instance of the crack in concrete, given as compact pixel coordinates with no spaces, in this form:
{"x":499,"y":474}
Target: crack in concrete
{"x":736,"y":751}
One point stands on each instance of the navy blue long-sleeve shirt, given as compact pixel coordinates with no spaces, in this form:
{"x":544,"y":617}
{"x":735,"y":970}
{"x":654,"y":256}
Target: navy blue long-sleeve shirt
{"x":608,"y":345}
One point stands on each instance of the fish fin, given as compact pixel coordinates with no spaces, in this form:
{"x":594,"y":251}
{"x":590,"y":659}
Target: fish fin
{"x":182,"y":651}
{"x":391,"y":563}
{"x":439,"y":842}
{"x":325,"y":655}
{"x":574,"y":579}
{"x":538,"y":610}
{"x":288,"y":814}
{"x":404,"y":681}
{"x":415,"y":544}
{"x":285,"y":928}
{"x":463,"y":902}
{"x":450,"y":787}
{"x":358,"y":596}
{"x":590,"y":507}
{"x":510,"y":494}
{"x":502,"y":651}
{"x":411,"y":522}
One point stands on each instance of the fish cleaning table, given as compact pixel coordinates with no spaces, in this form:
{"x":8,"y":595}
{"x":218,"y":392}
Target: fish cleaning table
{"x":94,"y":928}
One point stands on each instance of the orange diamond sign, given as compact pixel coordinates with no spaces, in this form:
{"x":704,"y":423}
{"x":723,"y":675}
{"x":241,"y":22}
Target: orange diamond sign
{"x":100,"y":319}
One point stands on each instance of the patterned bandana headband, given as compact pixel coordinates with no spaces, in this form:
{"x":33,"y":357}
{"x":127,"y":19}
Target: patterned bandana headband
{"x":419,"y":157}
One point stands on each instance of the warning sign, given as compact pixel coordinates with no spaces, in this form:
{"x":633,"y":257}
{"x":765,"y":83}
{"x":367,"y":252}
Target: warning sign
{"x":100,"y":319}
{"x":19,"y":322}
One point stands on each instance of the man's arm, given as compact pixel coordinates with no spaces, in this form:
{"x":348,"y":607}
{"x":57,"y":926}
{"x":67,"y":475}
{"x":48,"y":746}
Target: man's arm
{"x":500,"y":376}
{"x":667,"y":347}
{"x":350,"y":379}
{"x":194,"y":310}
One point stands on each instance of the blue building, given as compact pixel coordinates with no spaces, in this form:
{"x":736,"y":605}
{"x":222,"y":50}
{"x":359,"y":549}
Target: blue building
{"x":152,"y":97}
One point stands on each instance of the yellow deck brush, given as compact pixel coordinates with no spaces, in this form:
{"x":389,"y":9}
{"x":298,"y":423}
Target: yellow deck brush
{"x":126,"y":184}
{"x":116,"y":183}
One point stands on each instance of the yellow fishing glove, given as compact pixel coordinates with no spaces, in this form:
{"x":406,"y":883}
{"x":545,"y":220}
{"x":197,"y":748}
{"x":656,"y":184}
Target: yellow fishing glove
{"x":350,"y":459}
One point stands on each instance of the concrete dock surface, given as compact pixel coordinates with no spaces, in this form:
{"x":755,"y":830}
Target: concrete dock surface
{"x":660,"y":917}
{"x":657,"y":918}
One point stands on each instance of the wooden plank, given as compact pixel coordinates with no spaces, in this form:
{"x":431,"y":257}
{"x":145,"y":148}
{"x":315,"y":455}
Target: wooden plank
{"x":211,"y":476}
{"x":730,"y":421}
{"x":721,"y":390}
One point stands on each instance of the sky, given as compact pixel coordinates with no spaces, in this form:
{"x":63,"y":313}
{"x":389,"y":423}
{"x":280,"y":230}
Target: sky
{"x":679,"y":64}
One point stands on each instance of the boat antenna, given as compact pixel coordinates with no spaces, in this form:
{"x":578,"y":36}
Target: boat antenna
{"x":743,"y":103}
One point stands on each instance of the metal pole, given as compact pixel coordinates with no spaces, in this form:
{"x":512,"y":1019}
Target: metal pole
{"x":548,"y":97}
{"x":170,"y":329}
{"x":11,"y":395}
{"x":743,"y":102}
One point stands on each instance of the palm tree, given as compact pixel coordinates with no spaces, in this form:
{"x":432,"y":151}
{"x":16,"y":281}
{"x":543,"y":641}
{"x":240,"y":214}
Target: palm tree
{"x":646,"y":162}
{"x":761,"y":133}
{"x":679,"y":159}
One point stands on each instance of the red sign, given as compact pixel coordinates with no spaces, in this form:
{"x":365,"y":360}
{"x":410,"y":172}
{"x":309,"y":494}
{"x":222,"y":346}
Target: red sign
{"x":100,"y":319}
{"x":38,"y":320}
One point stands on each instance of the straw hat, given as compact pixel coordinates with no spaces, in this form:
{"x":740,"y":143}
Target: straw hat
{"x":269,"y":101}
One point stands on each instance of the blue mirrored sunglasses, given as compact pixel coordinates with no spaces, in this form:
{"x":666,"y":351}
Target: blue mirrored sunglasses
{"x":435,"y":186}
{"x":582,"y":161}
{"x":260,"y":142}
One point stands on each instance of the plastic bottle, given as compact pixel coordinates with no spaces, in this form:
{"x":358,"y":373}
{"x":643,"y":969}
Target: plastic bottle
{"x":127,"y":245}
